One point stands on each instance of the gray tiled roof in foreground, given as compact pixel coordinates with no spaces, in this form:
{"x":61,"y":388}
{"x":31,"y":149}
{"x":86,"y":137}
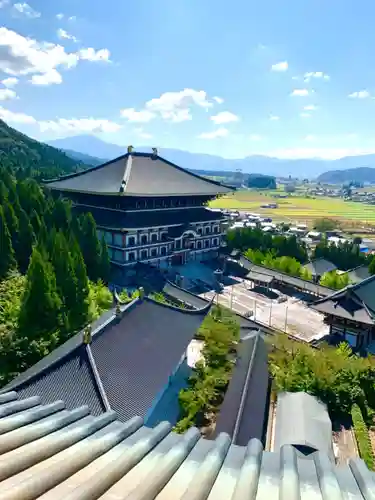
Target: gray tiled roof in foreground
{"x":318,"y":267}
{"x":50,"y":453}
{"x":124,"y":368}
{"x":311,"y":429}
{"x":139,"y":174}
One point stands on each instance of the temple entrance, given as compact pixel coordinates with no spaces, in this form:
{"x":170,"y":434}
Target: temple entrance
{"x":178,"y":260}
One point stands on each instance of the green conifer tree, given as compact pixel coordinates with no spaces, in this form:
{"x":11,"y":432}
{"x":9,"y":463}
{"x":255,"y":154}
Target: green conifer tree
{"x":7,"y":259}
{"x":26,"y":240}
{"x":40,"y":308}
{"x":90,"y":246}
{"x":12,"y":223}
{"x":66,"y":281}
{"x":80,"y":313}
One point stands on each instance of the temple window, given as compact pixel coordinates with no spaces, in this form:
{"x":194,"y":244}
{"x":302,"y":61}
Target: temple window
{"x":144,"y":254}
{"x":131,"y":256}
{"x":131,"y":241}
{"x":207,"y":243}
{"x":154,"y":237}
{"x":144,"y":239}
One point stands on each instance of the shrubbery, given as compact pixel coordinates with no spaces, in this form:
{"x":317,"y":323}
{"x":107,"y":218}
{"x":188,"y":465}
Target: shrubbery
{"x":200,"y":401}
{"x":362,"y":437}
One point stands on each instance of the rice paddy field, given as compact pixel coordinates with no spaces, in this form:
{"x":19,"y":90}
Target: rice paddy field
{"x":298,"y":208}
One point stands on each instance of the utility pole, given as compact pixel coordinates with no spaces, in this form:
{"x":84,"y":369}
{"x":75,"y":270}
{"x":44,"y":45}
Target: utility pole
{"x":270,"y":320}
{"x":286,"y":318}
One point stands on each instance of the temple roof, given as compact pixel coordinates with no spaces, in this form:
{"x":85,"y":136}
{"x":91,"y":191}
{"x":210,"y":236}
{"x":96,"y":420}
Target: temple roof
{"x":354,"y":302}
{"x":318,"y":267}
{"x":50,"y":452}
{"x":139,"y":174}
{"x":125,"y":366}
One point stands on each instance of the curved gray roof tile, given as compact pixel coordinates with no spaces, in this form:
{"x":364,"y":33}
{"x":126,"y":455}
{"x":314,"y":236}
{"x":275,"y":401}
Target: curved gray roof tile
{"x":49,"y":453}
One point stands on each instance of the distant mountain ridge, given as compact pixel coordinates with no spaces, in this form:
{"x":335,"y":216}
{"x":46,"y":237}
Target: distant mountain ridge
{"x":360,"y":174}
{"x":302,"y":168}
{"x":20,"y":152}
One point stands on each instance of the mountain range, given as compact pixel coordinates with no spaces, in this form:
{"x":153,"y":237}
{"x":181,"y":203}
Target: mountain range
{"x":94,"y":149}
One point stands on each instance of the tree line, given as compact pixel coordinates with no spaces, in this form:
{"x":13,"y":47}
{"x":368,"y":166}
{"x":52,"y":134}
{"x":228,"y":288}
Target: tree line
{"x":49,"y":262}
{"x":345,"y":255}
{"x":282,"y":246}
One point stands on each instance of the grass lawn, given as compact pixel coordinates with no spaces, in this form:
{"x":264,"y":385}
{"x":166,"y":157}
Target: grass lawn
{"x":300,"y":209}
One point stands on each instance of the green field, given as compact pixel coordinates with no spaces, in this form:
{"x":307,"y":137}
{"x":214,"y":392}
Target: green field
{"x":299,"y":209}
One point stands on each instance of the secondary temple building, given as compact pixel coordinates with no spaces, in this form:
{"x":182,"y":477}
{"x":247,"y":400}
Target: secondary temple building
{"x":148,"y":209}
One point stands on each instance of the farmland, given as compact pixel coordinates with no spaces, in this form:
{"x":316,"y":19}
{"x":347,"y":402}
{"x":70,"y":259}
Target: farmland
{"x":300,"y":209}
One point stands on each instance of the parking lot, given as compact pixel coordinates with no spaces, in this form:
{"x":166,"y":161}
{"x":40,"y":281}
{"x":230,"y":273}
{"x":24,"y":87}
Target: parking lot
{"x":292,"y":316}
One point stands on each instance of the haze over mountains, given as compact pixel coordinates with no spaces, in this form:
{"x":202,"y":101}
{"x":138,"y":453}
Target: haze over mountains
{"x":302,"y":168}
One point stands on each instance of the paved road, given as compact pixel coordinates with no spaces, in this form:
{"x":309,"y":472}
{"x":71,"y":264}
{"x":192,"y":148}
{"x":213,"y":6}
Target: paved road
{"x":292,"y":316}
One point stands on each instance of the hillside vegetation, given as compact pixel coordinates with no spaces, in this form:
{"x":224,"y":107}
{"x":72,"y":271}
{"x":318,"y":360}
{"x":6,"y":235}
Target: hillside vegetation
{"x":30,"y":158}
{"x":359,"y":174}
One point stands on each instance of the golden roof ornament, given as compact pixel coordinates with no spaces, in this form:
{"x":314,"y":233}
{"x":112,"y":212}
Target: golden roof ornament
{"x":87,"y":337}
{"x":154,"y":151}
{"x":130,"y":149}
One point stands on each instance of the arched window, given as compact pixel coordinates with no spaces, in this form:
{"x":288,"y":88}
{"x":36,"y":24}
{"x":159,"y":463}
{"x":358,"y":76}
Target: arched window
{"x":144,"y":239}
{"x":154,"y":237}
{"x":207,"y":243}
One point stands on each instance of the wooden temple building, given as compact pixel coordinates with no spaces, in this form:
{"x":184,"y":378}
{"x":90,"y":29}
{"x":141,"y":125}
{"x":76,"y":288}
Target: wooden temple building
{"x":148,"y":209}
{"x":350,"y":312}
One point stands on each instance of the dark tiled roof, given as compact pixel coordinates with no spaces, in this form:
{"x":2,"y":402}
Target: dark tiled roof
{"x":156,"y":218}
{"x":197,"y":302}
{"x":283,"y":278}
{"x":140,"y":174}
{"x":125,"y":367}
{"x":243,"y":411}
{"x":320,"y":266}
{"x":255,"y":276}
{"x":135,"y":357}
{"x":358,"y":274}
{"x":56,"y":454}
{"x":355,"y":302}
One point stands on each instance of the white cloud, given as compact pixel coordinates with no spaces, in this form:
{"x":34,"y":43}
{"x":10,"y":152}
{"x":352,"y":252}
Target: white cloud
{"x":25,"y":9}
{"x":72,"y":18}
{"x":143,"y":116}
{"x":219,"y":100}
{"x":220,"y":132}
{"x":175,"y":106}
{"x":310,"y":107}
{"x":315,"y":74}
{"x":324,"y":153}
{"x":361,"y":94}
{"x":79,"y":125}
{"x":274,"y":118}
{"x":281,"y":66}
{"x":91,"y":54}
{"x":255,"y":137}
{"x":62,"y":34}
{"x":12,"y":117}
{"x":49,"y":78}
{"x":25,"y":56}
{"x":305,"y":115}
{"x":224,"y":117}
{"x":300,"y":92}
{"x":9,"y":82}
{"x":6,"y":94}
{"x":142,"y":134}
{"x":60,"y":16}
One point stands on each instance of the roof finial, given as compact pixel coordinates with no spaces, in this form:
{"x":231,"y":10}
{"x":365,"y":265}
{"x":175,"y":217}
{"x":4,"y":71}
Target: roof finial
{"x":154,"y":152}
{"x":130,"y":149}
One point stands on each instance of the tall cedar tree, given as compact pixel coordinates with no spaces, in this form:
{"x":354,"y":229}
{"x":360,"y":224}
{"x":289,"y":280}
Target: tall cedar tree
{"x":41,"y":304}
{"x":26,"y":240}
{"x":105,"y":265}
{"x":90,"y":246}
{"x":7,"y":259}
{"x":66,"y":281}
{"x":82,"y":297}
{"x":12,"y":223}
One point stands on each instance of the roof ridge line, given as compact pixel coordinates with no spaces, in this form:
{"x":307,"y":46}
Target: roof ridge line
{"x":127,"y":171}
{"x":98,"y":380}
{"x":202,"y":310}
{"x":245,"y":390}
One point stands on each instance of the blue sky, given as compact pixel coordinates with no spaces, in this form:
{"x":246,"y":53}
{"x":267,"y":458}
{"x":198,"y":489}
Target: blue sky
{"x":290,"y":79}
